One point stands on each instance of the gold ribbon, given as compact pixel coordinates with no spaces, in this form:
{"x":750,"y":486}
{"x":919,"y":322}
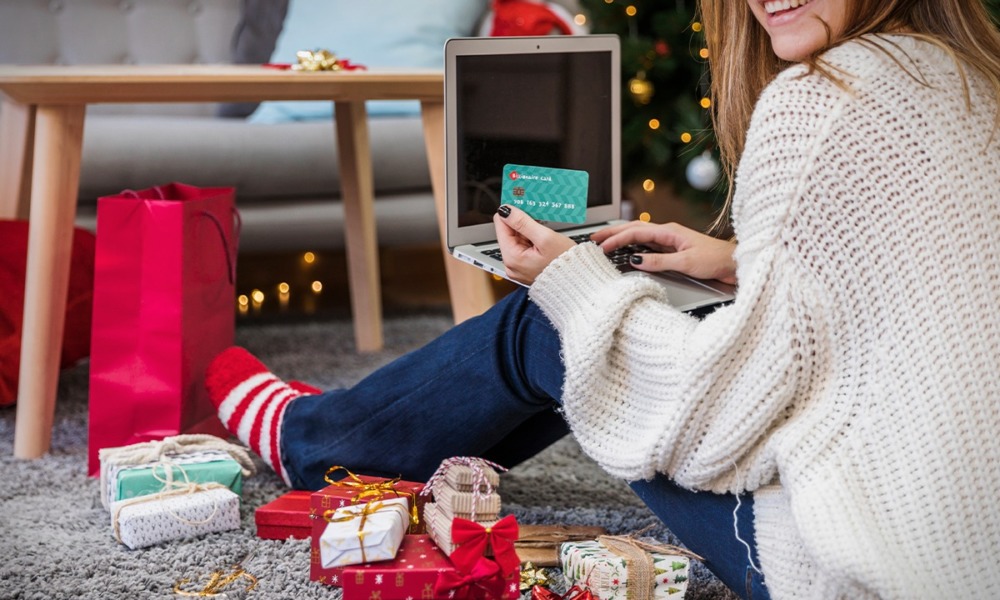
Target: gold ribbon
{"x":217,"y":583}
{"x":638,"y":561}
{"x":532,"y":576}
{"x":375,"y":490}
{"x":317,"y":60}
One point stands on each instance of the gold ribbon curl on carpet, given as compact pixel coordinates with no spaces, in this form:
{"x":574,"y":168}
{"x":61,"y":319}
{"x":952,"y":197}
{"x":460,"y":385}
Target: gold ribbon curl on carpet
{"x":218,"y":582}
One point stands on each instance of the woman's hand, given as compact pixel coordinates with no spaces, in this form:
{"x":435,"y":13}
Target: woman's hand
{"x":676,"y":248}
{"x":527,"y":245}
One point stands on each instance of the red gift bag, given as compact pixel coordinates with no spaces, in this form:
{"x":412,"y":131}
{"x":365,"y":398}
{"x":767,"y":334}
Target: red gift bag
{"x":164,"y":298}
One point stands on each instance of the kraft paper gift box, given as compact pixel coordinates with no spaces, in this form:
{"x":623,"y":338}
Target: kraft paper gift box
{"x":364,"y":533}
{"x":287,"y":516}
{"x":460,"y":477}
{"x":439,"y":526}
{"x":414,"y":573}
{"x":453,"y":503}
{"x":121,"y":482}
{"x":176,"y":514}
{"x":611,"y":575}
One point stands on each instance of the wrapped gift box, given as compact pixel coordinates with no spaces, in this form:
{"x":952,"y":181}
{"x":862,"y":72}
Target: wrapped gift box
{"x":121,"y":482}
{"x":287,"y":516}
{"x":439,"y":526}
{"x":460,"y":477}
{"x":148,"y":520}
{"x":609,"y":576}
{"x":412,"y":574}
{"x":347,"y":492}
{"x":539,"y":544}
{"x":364,"y":533}
{"x":453,"y":503}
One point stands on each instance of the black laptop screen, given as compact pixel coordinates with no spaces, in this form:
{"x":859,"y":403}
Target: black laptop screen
{"x":543,"y":109}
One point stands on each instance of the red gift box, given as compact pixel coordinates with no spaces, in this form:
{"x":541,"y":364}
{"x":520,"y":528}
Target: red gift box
{"x":412,"y":574}
{"x":287,"y":516}
{"x":353,"y":489}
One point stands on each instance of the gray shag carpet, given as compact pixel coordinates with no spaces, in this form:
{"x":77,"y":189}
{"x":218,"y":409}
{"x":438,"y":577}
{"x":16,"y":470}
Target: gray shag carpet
{"x":56,"y":540}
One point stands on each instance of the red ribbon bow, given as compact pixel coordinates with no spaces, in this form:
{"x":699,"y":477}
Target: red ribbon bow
{"x":471,"y":538}
{"x":484,"y":580}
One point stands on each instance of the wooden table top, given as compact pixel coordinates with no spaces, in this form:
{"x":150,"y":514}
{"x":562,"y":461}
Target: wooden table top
{"x":60,"y":85}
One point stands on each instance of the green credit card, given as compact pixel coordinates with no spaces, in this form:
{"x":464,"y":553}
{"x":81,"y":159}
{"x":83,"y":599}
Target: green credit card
{"x":545,"y":193}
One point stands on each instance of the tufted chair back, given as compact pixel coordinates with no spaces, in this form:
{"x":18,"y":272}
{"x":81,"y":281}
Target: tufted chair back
{"x":80,"y":32}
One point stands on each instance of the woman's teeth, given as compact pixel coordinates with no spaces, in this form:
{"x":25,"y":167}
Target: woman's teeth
{"x":774,"y":6}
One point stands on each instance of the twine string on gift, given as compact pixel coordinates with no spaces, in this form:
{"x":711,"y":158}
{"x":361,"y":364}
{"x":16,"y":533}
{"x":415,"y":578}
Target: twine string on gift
{"x":154,"y":451}
{"x":178,"y":490}
{"x":353,"y":512}
{"x":375,"y":490}
{"x":480,"y":481}
{"x":639,"y":567}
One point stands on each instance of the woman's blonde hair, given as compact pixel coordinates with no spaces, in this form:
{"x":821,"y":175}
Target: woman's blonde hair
{"x":741,"y":62}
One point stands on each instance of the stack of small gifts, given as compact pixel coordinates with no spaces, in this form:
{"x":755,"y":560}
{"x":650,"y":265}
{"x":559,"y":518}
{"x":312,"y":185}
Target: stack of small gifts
{"x":627,"y":567}
{"x":463,"y":488}
{"x":360,"y":519}
{"x":181,"y":486}
{"x":464,"y":521}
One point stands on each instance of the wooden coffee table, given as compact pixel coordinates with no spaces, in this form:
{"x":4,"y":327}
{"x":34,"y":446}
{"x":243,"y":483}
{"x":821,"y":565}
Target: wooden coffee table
{"x":41,"y":136}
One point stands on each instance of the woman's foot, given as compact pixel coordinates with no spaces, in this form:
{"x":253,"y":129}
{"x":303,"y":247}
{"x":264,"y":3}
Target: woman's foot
{"x":251,"y":402}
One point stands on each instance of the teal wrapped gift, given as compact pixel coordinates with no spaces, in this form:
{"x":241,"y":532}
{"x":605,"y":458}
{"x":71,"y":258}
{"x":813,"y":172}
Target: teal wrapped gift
{"x":125,"y":482}
{"x":150,"y":467}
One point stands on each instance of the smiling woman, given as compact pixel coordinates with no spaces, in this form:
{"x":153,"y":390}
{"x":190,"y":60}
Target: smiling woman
{"x":800,"y":28}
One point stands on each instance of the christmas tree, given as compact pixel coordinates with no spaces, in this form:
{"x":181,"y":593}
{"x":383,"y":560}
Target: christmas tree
{"x":668,"y":149}
{"x":667,"y":142}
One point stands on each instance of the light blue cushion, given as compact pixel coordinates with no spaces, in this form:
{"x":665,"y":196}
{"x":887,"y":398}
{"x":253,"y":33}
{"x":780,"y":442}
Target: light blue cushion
{"x":374,"y":33}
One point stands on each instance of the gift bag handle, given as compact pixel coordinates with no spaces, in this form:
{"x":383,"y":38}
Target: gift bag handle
{"x":228,"y":249}
{"x":134,"y":194}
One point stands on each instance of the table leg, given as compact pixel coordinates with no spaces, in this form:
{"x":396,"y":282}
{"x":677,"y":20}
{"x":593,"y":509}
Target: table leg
{"x":357,"y":186}
{"x":17,"y":125}
{"x":469,"y":287}
{"x":56,"y":179}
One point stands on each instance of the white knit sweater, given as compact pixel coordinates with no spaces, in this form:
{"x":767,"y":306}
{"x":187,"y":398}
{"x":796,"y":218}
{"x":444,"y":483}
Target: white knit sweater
{"x":854,"y":384}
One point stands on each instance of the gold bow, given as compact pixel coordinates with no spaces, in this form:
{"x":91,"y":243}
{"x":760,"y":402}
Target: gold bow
{"x":375,"y":490}
{"x":317,"y":60}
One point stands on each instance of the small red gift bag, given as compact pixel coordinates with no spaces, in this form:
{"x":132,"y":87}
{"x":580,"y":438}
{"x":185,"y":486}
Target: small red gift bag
{"x":164,"y":297}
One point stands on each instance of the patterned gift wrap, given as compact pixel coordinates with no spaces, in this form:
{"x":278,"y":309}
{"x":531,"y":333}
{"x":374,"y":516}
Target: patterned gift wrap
{"x":121,"y":482}
{"x":439,"y":527}
{"x":591,"y":565}
{"x":413,"y":574}
{"x":453,"y":503}
{"x":200,"y":509}
{"x":364,"y":533}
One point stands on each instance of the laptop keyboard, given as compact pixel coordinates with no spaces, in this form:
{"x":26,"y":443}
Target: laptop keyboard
{"x":618,"y":257}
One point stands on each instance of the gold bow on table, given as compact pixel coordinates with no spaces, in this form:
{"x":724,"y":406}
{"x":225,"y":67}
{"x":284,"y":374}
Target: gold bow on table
{"x":322,"y":60}
{"x":375,"y":490}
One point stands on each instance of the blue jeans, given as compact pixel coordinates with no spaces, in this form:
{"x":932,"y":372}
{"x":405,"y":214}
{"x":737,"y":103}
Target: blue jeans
{"x":488,"y":387}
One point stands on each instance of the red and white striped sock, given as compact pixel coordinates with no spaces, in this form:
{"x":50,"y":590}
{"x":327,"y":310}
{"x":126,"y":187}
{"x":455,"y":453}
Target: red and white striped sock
{"x":251,"y":402}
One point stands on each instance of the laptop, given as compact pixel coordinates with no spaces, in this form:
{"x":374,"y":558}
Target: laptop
{"x":549,"y":102}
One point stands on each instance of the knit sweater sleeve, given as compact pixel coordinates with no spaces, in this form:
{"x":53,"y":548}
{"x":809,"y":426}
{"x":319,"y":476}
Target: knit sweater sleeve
{"x":649,"y":389}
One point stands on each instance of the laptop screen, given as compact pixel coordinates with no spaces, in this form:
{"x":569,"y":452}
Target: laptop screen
{"x":548,"y":108}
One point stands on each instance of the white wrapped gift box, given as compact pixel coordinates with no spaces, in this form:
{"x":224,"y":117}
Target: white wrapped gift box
{"x":364,"y":533}
{"x":148,"y":520}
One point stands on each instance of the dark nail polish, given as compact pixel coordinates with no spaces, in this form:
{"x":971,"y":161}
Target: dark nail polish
{"x":635,"y":259}
{"x":504,"y":211}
